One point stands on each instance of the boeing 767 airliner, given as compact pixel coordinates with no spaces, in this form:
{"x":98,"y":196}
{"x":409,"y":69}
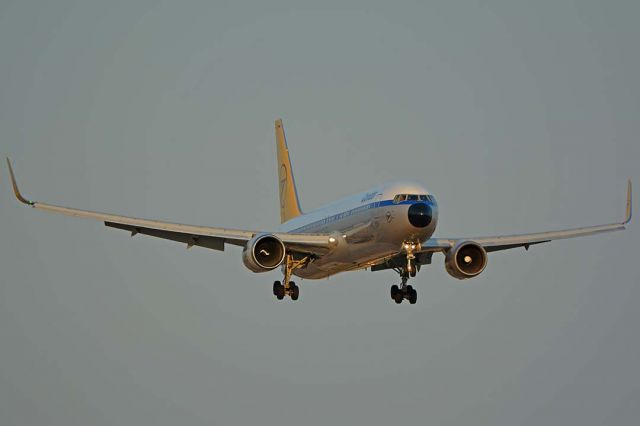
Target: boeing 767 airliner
{"x":387,"y":227}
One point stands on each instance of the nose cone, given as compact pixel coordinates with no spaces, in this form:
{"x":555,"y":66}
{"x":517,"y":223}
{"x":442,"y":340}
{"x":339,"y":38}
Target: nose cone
{"x":420,"y":215}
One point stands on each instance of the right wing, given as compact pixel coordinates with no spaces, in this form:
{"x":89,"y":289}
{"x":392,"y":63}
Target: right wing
{"x":191,"y":235}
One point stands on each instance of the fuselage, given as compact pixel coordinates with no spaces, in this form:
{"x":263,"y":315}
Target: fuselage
{"x":368,"y":226}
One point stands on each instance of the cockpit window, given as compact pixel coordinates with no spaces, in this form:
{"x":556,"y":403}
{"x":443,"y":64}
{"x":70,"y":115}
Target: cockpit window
{"x":412,"y":197}
{"x":399,"y":198}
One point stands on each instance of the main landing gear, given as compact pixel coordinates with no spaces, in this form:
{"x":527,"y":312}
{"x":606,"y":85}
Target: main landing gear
{"x":398,"y":294}
{"x":289,"y":288}
{"x":280,"y":291}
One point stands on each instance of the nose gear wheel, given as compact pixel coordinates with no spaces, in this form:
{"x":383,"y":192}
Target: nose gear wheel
{"x":406,"y":292}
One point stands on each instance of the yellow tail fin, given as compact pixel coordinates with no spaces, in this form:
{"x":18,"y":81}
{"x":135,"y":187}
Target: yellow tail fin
{"x":289,"y":204}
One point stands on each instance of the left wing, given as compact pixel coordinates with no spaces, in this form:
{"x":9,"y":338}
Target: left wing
{"x":498,"y":242}
{"x":504,"y":242}
{"x":203,"y":236}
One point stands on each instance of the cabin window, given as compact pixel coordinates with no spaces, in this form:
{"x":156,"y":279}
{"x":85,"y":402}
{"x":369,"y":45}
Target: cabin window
{"x":412,"y":197}
{"x":399,"y":198}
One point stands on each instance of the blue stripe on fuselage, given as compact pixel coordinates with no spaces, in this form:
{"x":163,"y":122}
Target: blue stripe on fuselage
{"x":339,"y":216}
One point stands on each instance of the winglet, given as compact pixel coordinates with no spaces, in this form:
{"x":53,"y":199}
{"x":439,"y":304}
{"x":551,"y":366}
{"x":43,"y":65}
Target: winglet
{"x":629,"y":204}
{"x":16,"y":191}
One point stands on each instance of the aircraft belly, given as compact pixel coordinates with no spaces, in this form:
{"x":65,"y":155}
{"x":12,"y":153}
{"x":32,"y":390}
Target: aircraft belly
{"x":363,"y":239}
{"x":350,"y":257}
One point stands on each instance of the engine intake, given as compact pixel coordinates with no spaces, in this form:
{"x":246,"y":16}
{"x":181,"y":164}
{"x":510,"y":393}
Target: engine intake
{"x":465,"y":260}
{"x":263,"y":253}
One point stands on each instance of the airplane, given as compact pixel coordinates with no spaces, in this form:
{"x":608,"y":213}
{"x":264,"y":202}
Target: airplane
{"x":390,"y":226}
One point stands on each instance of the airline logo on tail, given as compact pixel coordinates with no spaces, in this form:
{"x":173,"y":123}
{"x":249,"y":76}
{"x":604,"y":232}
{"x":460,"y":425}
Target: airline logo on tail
{"x":283,"y":185}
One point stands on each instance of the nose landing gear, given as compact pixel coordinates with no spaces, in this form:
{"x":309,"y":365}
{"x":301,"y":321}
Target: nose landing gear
{"x":406,"y":292}
{"x":398,"y":294}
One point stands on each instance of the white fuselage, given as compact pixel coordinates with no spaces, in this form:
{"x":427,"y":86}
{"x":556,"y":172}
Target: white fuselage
{"x":367,"y":226}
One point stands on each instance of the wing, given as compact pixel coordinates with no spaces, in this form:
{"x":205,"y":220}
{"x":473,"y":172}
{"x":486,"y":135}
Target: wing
{"x":203,"y":236}
{"x":504,"y":242}
{"x":498,"y":242}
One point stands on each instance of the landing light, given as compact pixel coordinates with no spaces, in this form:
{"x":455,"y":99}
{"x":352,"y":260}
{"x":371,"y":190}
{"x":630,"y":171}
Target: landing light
{"x":332,"y":240}
{"x":467,"y":259}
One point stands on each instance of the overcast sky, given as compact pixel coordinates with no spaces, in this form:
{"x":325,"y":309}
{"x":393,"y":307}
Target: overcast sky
{"x":519,"y":117}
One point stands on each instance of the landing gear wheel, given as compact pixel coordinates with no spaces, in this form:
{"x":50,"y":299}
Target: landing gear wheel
{"x":294,"y":290}
{"x":412,"y":272}
{"x":412,"y":295}
{"x":278,"y":290}
{"x":394,"y":291}
{"x":396,"y":294}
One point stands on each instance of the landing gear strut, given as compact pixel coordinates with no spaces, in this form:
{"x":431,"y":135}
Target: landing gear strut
{"x":398,"y":294}
{"x":289,"y":288}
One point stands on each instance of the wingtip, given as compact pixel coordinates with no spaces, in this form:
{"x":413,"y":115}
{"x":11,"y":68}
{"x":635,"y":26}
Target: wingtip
{"x":629,"y":203}
{"x":16,"y":191}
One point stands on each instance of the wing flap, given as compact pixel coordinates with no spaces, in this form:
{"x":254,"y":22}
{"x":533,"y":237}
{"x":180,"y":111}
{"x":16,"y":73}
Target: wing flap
{"x":190,"y":240}
{"x":232,"y":234}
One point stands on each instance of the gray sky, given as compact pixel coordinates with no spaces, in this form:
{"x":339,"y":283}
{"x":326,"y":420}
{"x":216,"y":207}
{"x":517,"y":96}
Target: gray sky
{"x":519,"y":116}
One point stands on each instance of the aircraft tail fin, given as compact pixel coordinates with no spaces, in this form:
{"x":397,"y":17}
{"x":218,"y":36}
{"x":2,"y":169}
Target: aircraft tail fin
{"x":289,"y":204}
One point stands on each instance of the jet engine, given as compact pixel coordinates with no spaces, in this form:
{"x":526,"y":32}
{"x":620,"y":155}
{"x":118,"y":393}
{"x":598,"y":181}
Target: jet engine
{"x":465,"y":260}
{"x":263,"y":253}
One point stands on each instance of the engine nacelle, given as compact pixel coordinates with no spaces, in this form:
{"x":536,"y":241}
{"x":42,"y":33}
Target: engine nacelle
{"x":263,"y":253}
{"x":465,"y":260}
